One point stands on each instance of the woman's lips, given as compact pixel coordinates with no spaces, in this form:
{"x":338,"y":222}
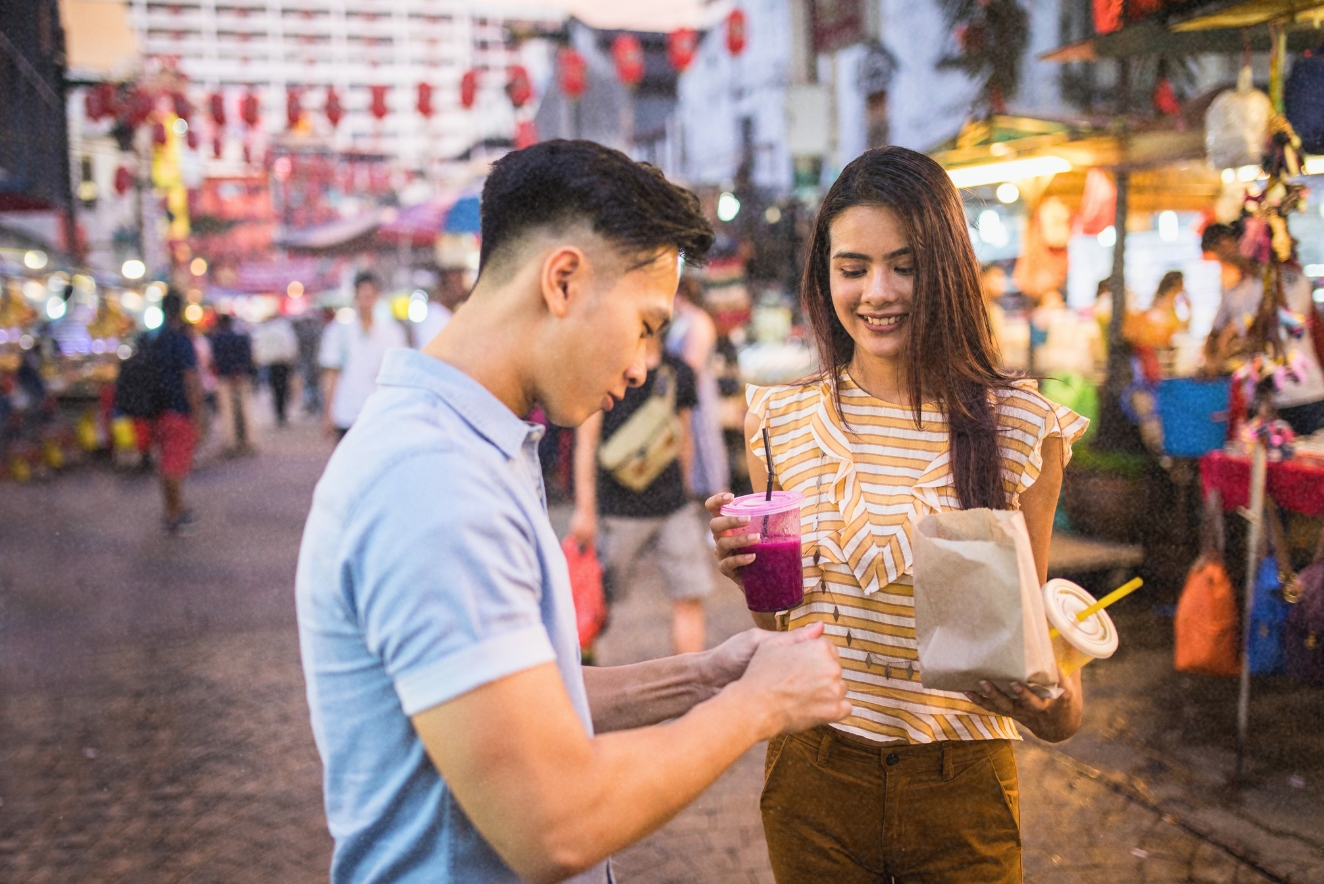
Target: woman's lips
{"x":882,"y":323}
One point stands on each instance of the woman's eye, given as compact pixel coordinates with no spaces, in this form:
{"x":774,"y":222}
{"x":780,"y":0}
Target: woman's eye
{"x":852,"y":273}
{"x":905,"y":271}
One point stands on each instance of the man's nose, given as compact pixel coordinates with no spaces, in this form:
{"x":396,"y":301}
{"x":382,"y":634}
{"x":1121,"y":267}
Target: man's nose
{"x":637,"y":373}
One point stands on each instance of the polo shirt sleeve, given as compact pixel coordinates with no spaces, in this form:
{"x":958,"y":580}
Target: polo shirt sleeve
{"x":446,"y":579}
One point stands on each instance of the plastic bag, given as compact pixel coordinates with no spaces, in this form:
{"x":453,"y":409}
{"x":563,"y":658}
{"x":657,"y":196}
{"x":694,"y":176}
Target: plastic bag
{"x":1236,"y":126}
{"x":586,"y":586}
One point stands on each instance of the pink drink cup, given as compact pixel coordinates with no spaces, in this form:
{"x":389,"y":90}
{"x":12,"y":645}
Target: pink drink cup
{"x":774,"y":580}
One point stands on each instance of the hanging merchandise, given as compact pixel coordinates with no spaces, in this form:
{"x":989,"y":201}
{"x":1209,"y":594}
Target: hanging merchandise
{"x":123,"y":180}
{"x":95,"y":104}
{"x":216,"y":107}
{"x":332,"y":108}
{"x":1207,"y":627}
{"x":573,"y":72}
{"x":468,"y":88}
{"x":1108,"y":14}
{"x":526,"y":134}
{"x":293,"y":107}
{"x":250,"y":109}
{"x":681,"y":46}
{"x":1165,"y":98}
{"x":378,"y":106}
{"x":735,"y":32}
{"x":519,"y":88}
{"x":139,"y":107}
{"x":1237,"y":125}
{"x":424,"y":102}
{"x":1268,"y":613}
{"x":628,"y":54}
{"x":1303,"y":99}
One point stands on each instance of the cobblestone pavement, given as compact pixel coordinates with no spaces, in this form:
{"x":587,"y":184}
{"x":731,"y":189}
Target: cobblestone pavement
{"x":153,"y":726}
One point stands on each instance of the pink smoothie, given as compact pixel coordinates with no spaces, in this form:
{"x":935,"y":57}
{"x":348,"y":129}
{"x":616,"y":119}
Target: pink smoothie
{"x":773,"y":581}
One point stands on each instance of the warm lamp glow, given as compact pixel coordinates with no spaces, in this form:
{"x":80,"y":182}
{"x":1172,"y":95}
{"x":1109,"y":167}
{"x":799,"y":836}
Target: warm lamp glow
{"x":1011,"y":170}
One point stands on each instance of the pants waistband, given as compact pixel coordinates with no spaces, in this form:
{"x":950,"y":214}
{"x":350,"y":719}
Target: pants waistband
{"x":942,"y":756}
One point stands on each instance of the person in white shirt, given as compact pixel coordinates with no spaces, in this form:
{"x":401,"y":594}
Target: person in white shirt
{"x":443,"y":301}
{"x":351,"y":356}
{"x":276,"y":348}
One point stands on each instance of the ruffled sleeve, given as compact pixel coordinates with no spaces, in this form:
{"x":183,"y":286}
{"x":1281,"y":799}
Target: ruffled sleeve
{"x":1025,"y":420}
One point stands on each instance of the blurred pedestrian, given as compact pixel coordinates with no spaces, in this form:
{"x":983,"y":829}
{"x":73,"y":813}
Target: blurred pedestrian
{"x":233,"y":351}
{"x":693,"y":338}
{"x":309,"y":330}
{"x":654,"y":521}
{"x":351,"y":356}
{"x":455,"y":722}
{"x":175,"y":429}
{"x":275,"y":349}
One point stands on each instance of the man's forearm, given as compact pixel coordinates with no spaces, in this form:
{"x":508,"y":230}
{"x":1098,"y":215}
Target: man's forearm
{"x":640,"y":694}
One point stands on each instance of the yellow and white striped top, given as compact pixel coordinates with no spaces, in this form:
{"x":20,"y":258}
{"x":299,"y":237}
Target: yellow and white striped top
{"x":863,"y":486}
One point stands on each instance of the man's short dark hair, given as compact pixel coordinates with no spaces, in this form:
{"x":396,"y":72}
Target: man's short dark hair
{"x":171,"y":305}
{"x":1215,"y":234}
{"x":367,"y":277}
{"x":560,"y":183}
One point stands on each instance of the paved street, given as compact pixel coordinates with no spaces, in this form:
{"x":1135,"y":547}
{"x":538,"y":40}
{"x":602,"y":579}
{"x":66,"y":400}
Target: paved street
{"x":153,"y":726}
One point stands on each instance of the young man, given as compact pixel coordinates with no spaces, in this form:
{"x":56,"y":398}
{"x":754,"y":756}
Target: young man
{"x":1300,"y":401}
{"x":455,"y":723}
{"x":176,"y":428}
{"x":351,"y":355}
{"x":658,"y":520}
{"x":232,"y":352}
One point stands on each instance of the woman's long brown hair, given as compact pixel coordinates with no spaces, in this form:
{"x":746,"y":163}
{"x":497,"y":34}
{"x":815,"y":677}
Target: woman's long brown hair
{"x":952,"y":360}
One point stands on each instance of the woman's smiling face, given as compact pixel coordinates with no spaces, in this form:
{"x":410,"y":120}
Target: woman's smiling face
{"x":872,"y":272}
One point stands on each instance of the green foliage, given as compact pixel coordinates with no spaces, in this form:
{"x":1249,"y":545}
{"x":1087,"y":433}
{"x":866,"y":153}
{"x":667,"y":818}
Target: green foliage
{"x":1123,"y":464}
{"x":992,"y":36}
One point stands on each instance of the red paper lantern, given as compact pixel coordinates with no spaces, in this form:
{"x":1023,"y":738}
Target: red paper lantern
{"x":425,"y":108}
{"x":628,"y":54}
{"x":378,"y":106}
{"x":217,"y":147}
{"x":519,"y":88}
{"x":293,"y":107}
{"x":191,"y":139}
{"x":183,"y":109}
{"x":735,"y":32}
{"x":123,"y":180}
{"x":681,"y":46}
{"x":159,"y":134}
{"x":140,"y":106}
{"x":468,"y":89}
{"x":526,"y":134}
{"x":250,"y":109}
{"x":94,"y":104}
{"x":573,"y":72}
{"x":334,"y":112}
{"x":216,"y":106}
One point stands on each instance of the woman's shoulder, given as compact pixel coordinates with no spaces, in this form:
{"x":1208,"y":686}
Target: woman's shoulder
{"x":782,"y":398}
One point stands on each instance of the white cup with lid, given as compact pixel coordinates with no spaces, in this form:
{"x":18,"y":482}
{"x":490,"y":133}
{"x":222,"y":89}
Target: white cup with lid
{"x":1077,"y":642}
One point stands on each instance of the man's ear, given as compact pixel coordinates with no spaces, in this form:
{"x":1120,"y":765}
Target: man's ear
{"x":565,"y":276}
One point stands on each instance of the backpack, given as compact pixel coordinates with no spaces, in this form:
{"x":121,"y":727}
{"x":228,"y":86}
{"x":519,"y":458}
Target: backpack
{"x":139,"y":390}
{"x":1303,"y":99}
{"x":1268,"y":611}
{"x":1207,"y":628}
{"x":1303,"y":635}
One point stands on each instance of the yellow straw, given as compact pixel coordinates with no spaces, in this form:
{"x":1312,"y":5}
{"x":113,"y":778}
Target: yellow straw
{"x":1120,"y":592}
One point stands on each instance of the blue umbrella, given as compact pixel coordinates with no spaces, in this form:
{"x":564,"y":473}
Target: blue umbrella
{"x":463,"y":216}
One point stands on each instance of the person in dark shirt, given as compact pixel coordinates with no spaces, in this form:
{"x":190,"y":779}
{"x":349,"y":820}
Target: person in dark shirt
{"x":175,"y":429}
{"x":660,"y":519}
{"x":232,"y":351}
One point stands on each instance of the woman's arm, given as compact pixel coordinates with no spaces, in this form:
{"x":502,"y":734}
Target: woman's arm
{"x":1050,"y":720}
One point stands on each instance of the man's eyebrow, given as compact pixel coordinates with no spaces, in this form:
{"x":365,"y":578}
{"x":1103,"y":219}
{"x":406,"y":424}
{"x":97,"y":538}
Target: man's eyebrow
{"x":857,"y":256}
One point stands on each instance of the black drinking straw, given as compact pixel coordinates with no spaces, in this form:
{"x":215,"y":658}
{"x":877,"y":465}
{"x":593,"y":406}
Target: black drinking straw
{"x":767,"y":454}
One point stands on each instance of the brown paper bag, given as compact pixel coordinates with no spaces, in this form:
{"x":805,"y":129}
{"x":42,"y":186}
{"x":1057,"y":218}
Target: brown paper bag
{"x":979,"y":611}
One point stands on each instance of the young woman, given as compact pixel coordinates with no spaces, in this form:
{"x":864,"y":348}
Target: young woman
{"x":911,"y":415}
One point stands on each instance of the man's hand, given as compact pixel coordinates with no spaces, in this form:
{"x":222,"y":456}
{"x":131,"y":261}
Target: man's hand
{"x":728,"y":661}
{"x":584,"y":527}
{"x":794,"y":679}
{"x":1049,"y":720}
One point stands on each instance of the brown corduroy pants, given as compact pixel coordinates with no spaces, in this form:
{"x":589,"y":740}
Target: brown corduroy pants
{"x":844,"y":809}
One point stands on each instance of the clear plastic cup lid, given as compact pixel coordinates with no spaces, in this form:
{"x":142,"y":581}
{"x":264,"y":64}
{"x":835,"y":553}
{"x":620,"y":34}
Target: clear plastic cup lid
{"x":1096,"y":636}
{"x":756,"y":505}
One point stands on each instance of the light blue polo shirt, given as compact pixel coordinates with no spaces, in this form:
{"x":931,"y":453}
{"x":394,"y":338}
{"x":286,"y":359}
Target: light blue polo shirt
{"x":428,"y":568}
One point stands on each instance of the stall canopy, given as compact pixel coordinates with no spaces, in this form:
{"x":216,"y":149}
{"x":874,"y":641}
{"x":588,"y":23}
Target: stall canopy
{"x":343,"y":237}
{"x":419,"y":226}
{"x":274,"y":277}
{"x":1203,"y":26}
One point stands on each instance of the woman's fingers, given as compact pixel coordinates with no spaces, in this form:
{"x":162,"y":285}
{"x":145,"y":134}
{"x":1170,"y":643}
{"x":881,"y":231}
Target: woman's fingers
{"x":715,"y":503}
{"x":723,"y":524}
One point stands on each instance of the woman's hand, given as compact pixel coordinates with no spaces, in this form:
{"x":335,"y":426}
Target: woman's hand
{"x":1050,"y":720}
{"x":729,"y":536}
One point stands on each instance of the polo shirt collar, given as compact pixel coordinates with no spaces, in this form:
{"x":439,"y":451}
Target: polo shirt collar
{"x":487,"y":414}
